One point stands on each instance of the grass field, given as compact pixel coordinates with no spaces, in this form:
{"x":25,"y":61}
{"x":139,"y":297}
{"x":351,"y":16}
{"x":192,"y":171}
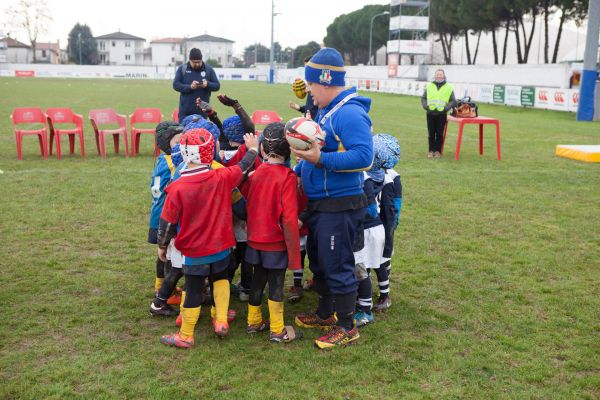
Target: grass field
{"x":496,"y":282}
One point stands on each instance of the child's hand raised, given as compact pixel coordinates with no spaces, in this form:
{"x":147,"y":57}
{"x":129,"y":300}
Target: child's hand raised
{"x":251,"y":141}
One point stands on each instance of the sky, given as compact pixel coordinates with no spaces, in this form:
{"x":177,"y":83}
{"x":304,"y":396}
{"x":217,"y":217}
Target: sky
{"x":245,"y":22}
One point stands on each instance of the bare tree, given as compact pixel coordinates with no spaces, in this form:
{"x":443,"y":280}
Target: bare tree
{"x":30,"y":16}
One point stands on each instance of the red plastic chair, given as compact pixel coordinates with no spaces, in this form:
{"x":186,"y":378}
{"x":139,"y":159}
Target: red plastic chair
{"x":143,"y":116}
{"x":175,"y":115}
{"x":59,"y":116}
{"x":105,"y":117}
{"x":265,"y":117}
{"x":30,"y":116}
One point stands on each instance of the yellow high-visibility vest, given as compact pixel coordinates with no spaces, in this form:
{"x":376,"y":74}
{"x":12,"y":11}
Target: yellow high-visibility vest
{"x":438,"y":98}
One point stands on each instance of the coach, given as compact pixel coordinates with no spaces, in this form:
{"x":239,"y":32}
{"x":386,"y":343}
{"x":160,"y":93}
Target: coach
{"x":332,"y":178}
{"x":193,"y":80}
{"x":437,"y":100}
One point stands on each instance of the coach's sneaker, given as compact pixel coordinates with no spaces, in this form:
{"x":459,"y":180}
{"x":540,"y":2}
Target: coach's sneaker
{"x":437,"y":154}
{"x":383,"y":303}
{"x":264,"y":325}
{"x":337,"y":336}
{"x":296,"y":294}
{"x":165,"y":310}
{"x":178,"y":341}
{"x":430,"y":154}
{"x":288,"y":334}
{"x":312,"y":320}
{"x":363,"y":318}
{"x":221,"y":329}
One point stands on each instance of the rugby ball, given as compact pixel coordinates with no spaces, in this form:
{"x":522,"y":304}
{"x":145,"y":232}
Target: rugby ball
{"x":299,"y":132}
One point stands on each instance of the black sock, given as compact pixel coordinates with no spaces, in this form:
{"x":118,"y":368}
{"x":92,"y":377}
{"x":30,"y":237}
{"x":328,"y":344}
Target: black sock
{"x":383,"y":280}
{"x":325,"y":308}
{"x":344,"y":307}
{"x":365,"y":297}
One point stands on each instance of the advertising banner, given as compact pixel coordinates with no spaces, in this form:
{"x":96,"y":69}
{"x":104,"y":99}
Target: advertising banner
{"x":486,"y":93}
{"x":498,"y":94}
{"x":23,"y":73}
{"x":512,"y":95}
{"x":528,"y":96}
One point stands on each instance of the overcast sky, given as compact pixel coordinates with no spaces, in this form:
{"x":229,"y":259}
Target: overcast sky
{"x":245,"y":22}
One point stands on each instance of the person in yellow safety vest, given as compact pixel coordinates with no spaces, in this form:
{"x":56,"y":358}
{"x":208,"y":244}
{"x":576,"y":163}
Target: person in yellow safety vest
{"x":437,"y":100}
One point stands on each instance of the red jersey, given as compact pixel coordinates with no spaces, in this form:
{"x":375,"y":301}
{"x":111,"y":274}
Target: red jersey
{"x":272,"y":210}
{"x":200,"y":201}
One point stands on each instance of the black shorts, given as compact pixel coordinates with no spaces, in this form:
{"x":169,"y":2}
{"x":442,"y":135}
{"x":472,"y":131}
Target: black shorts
{"x":153,"y":236}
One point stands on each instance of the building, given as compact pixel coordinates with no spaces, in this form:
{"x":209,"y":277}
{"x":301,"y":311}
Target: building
{"x":120,"y":48}
{"x":168,"y":51}
{"x":15,"y":52}
{"x":212,"y":47}
{"x":48,"y":53}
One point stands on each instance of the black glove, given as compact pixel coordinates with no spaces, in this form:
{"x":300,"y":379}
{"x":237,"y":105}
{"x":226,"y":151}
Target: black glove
{"x":227,"y":101}
{"x":204,"y":106}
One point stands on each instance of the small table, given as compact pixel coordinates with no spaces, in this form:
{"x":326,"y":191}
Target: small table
{"x":474,"y":120}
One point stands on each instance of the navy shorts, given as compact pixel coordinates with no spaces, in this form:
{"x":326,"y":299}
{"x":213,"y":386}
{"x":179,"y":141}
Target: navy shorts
{"x":207,"y":269}
{"x":330,"y":248}
{"x":267,"y":259}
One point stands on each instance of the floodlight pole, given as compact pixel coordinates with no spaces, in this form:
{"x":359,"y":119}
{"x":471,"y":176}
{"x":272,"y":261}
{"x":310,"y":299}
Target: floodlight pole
{"x":272,"y":53}
{"x":79,"y":39}
{"x":371,"y":34}
{"x":585,"y":109}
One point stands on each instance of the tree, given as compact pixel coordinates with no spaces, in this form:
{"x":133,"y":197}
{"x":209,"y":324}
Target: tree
{"x":445,"y":22}
{"x":303,"y":51}
{"x":213,"y":63}
{"x":32,"y":17}
{"x":81,"y":37}
{"x":349,"y":33}
{"x":571,"y":10}
{"x":256,"y":53}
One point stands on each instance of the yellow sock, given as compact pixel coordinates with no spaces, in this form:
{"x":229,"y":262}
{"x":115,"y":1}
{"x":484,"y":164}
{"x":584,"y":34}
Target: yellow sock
{"x":254,"y":315}
{"x":182,"y":300}
{"x":276,"y":316}
{"x":221,"y":296}
{"x":189,"y":317}
{"x":213,"y":312}
{"x":158,"y":283}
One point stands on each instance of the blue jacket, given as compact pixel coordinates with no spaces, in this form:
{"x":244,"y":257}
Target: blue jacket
{"x":182,"y":83}
{"x":163,"y":171}
{"x":390,"y":208}
{"x":347,"y":152}
{"x":374,"y":182}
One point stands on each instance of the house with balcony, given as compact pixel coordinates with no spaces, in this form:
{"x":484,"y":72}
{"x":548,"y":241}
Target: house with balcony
{"x":120,"y":48}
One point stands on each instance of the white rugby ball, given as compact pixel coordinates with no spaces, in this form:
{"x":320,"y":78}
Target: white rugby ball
{"x":299,"y":132}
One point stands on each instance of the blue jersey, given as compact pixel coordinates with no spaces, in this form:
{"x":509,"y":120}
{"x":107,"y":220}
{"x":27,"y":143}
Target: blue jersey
{"x":161,"y":176}
{"x":390,"y":205}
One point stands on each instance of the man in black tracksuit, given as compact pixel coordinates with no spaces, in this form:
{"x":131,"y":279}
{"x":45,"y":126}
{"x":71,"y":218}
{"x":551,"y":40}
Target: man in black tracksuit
{"x":193,"y":80}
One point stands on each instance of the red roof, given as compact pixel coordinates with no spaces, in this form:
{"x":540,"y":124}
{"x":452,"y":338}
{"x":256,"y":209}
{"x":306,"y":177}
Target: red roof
{"x":10,"y":42}
{"x":48,"y":46}
{"x":168,"y":40}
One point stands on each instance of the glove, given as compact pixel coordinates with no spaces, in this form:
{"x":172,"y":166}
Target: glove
{"x":227,"y":101}
{"x":204,"y":106}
